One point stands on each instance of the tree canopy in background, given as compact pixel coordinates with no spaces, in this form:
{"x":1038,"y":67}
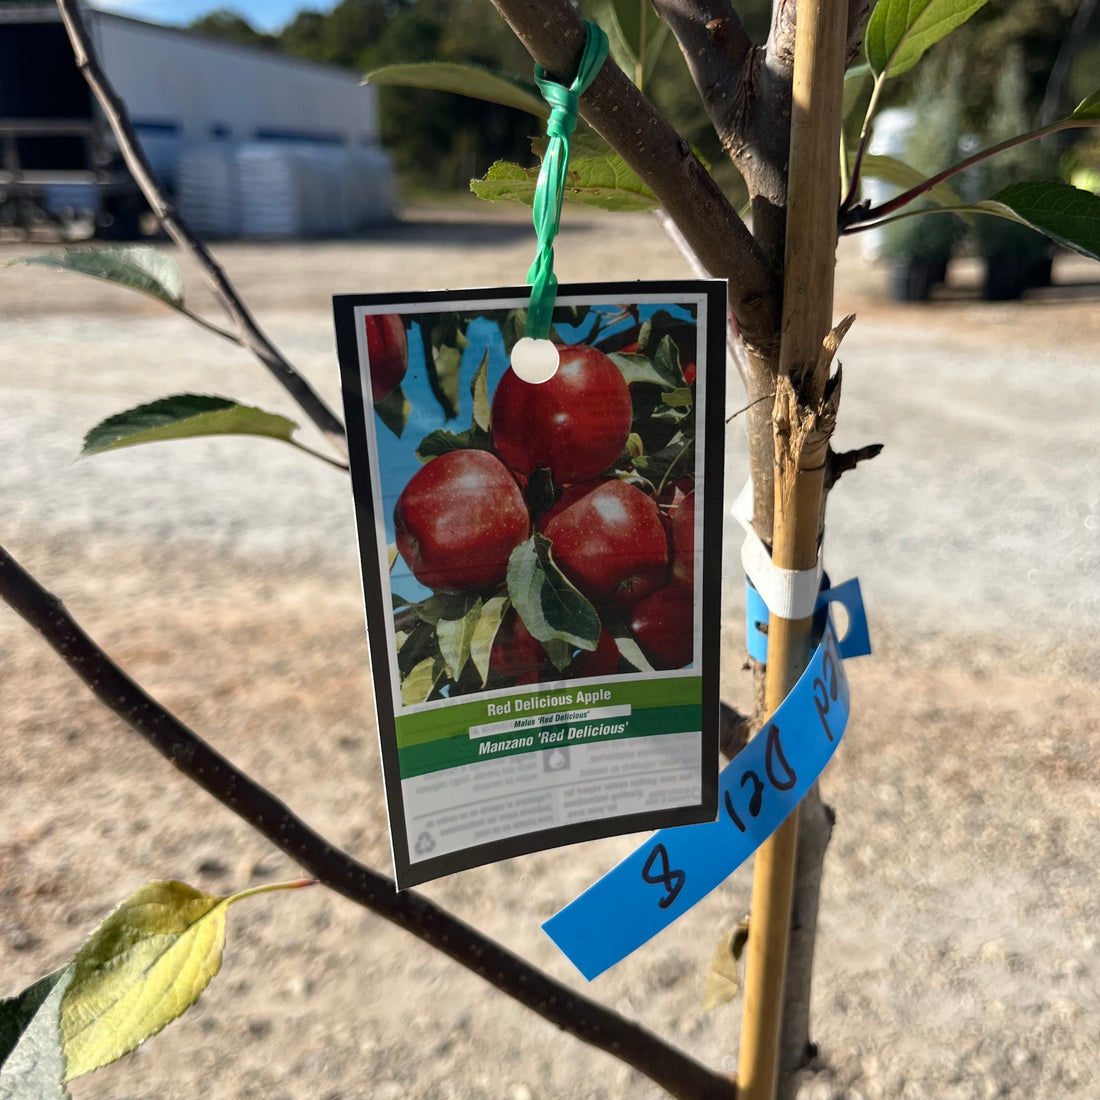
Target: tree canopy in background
{"x":440,"y":141}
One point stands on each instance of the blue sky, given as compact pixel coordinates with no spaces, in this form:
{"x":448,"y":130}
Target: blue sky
{"x":264,"y":15}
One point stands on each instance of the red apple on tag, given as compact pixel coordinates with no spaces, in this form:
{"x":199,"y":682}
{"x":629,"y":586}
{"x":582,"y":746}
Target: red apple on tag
{"x":458,"y":520}
{"x":682,"y":534}
{"x":388,"y":353}
{"x":663,"y":625}
{"x":601,"y":661}
{"x":608,"y":539}
{"x":575,"y":424}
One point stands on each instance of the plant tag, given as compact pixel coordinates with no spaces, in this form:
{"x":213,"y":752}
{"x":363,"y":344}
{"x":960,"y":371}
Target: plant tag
{"x":541,"y":561}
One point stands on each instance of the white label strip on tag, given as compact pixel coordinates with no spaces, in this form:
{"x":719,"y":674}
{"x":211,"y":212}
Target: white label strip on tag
{"x":758,"y":789}
{"x":788,"y":593}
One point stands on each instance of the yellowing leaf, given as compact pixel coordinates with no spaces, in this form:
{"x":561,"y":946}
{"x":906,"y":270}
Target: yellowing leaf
{"x":146,"y":964}
{"x":723,"y":972}
{"x":485,"y":632}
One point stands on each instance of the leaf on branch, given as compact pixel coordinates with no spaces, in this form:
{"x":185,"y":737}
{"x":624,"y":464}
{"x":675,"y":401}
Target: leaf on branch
{"x":185,"y":416}
{"x":32,"y":1062}
{"x":485,"y":632}
{"x":456,"y":636}
{"x":900,"y":31}
{"x":442,"y":441}
{"x":479,"y":392}
{"x":723,"y":971}
{"x":631,"y":652}
{"x":419,"y":684}
{"x":604,"y":181}
{"x":550,"y":607}
{"x":897,"y":172}
{"x":638,"y":368}
{"x":1089,"y":107}
{"x":468,"y":80}
{"x":444,"y":343}
{"x":621,"y":20}
{"x":144,"y":966}
{"x":1068,"y":215}
{"x":393,"y":410}
{"x":139,"y":267}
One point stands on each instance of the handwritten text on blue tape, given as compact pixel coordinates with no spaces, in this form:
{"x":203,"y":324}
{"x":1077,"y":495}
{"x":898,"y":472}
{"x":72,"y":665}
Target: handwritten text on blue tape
{"x":677,"y":868}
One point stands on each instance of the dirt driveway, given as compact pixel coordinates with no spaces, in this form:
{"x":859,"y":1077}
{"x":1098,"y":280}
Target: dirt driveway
{"x":959,"y":955}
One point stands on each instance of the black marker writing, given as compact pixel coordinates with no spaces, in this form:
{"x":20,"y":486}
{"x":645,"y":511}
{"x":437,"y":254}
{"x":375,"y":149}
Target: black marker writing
{"x":773,"y":752}
{"x":757,"y":791}
{"x":672,"y":881}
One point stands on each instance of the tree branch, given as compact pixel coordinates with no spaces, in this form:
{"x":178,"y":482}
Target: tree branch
{"x":838,"y":463}
{"x":747,"y":97}
{"x":582,"y":1017}
{"x":249,"y":334}
{"x":553,"y":33}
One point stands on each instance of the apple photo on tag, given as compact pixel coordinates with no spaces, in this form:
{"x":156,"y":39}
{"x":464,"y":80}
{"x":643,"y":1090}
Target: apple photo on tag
{"x":537,"y":531}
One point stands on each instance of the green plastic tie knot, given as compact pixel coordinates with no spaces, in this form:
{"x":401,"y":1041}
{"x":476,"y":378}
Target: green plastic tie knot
{"x":549,"y":190}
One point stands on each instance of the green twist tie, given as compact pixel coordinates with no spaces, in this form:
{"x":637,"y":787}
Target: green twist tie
{"x":551,"y":184}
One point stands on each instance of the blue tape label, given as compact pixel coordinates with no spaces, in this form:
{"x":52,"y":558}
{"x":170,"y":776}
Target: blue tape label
{"x":678,"y":867}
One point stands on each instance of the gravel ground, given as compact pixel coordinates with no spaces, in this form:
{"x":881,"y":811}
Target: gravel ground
{"x":958,"y":952}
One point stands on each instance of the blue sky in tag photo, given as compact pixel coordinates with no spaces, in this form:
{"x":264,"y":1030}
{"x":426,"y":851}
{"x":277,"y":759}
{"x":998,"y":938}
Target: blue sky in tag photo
{"x":264,"y":15}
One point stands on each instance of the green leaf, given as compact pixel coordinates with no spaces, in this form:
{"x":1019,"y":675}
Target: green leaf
{"x":897,"y":172}
{"x":420,"y":645}
{"x":900,"y":31}
{"x":485,"y":632}
{"x":393,"y":410}
{"x":550,"y":607}
{"x":631,"y":652}
{"x":468,"y":80}
{"x":623,"y":50}
{"x":638,"y":368}
{"x":1066,"y":214}
{"x":855,"y":80}
{"x":666,"y":358}
{"x":444,"y":343}
{"x":604,"y":181}
{"x":184,"y":416}
{"x":441,"y":442}
{"x":479,"y":391}
{"x":456,"y":636}
{"x":418,"y":686}
{"x":138,"y":267}
{"x":675,"y":459}
{"x":622,"y":21}
{"x":1089,"y":107}
{"x":145,"y":965}
{"x":32,"y":1062}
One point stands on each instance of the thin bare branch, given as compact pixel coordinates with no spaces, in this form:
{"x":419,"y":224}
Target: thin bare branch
{"x":586,"y":1019}
{"x":553,"y":33}
{"x":249,"y":334}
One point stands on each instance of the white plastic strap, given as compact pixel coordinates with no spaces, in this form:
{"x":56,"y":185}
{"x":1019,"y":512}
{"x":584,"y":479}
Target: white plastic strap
{"x":788,"y":593}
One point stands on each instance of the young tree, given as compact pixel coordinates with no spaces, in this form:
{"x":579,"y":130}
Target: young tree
{"x":777,"y":109}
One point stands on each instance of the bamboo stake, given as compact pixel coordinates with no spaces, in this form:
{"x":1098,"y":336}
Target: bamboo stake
{"x":803,"y":419}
